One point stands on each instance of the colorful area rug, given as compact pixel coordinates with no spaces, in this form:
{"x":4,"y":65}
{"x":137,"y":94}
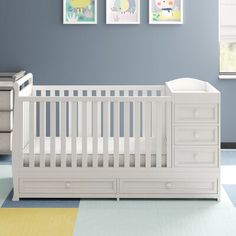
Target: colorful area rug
{"x":49,"y":217}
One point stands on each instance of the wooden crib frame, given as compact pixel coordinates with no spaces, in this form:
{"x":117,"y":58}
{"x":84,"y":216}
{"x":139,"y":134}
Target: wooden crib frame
{"x":103,"y":142}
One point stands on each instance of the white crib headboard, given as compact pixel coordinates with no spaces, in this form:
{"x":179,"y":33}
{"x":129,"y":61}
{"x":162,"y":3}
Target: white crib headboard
{"x":23,"y":87}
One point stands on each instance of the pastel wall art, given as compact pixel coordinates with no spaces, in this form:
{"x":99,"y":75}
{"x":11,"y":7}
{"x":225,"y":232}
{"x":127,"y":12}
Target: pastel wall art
{"x":79,"y":11}
{"x":166,"y":11}
{"x":123,"y":11}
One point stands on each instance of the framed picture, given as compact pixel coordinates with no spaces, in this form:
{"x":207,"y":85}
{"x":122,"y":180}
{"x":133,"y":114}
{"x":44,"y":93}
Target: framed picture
{"x":165,"y":11}
{"x":123,"y":11}
{"x":79,"y":11}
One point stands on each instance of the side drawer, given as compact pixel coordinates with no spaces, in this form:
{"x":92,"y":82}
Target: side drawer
{"x":155,"y":186}
{"x":203,"y":135}
{"x":196,"y":113}
{"x":6,"y":100}
{"x":196,"y":157}
{"x":6,"y":121}
{"x":5,"y":143}
{"x":89,"y":186}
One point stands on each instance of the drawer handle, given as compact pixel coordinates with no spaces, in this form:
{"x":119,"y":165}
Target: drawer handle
{"x":196,"y":113}
{"x":168,"y":185}
{"x":196,"y":135}
{"x":195,"y":156}
{"x":68,"y":185}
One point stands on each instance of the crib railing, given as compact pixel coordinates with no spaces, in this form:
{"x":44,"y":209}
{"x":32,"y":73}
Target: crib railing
{"x":76,"y":113}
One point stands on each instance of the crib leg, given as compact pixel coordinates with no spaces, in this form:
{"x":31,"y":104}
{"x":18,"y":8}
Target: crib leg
{"x":15,"y":190}
{"x":15,"y":198}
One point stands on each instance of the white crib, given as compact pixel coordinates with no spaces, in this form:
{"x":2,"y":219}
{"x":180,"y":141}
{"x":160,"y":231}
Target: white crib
{"x":116,"y":141}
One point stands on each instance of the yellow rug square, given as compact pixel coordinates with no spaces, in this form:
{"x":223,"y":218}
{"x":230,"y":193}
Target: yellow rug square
{"x":37,"y":222}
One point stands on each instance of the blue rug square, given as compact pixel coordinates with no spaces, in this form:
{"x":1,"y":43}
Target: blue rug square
{"x":231,"y":191}
{"x":40,"y":203}
{"x":228,"y":158}
{"x":5,"y":159}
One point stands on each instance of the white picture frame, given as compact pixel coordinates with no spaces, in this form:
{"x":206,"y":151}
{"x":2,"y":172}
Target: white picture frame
{"x":128,"y":12}
{"x":169,"y":12}
{"x":75,"y":14}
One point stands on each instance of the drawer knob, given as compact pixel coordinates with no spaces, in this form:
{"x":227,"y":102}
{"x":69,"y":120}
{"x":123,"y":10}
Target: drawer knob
{"x":68,"y":184}
{"x":196,"y":113}
{"x":168,"y":185}
{"x":195,"y":156}
{"x":196,"y":135}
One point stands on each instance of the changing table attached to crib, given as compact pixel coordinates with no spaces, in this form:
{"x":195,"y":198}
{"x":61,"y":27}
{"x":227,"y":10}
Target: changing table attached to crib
{"x":116,"y":141}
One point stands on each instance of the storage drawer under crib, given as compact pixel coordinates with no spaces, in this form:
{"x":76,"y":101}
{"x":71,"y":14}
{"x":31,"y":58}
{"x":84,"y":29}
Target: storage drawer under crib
{"x":161,"y":186}
{"x":196,"y":157}
{"x":51,"y":186}
{"x":6,"y":100}
{"x":196,"y":113}
{"x":196,"y":135}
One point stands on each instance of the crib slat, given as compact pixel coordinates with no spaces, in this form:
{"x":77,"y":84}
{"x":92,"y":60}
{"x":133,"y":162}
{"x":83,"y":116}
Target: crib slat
{"x":105,"y":134}
{"x":61,"y":94}
{"x":154,"y":117}
{"x":137,"y":134}
{"x":116,"y":133}
{"x":147,"y":134}
{"x":144,"y":93}
{"x":99,"y":112}
{"x":70,"y":93}
{"x":95,"y":134}
{"x":26,"y":120}
{"x":53,"y":133}
{"x":73,"y":134}
{"x":79,"y":115}
{"x":135,"y":94}
{"x":84,"y":135}
{"x":89,"y":114}
{"x":126,"y":133}
{"x":108,"y":94}
{"x":63,"y":134}
{"x":168,"y":134}
{"x":159,"y":132}
{"x":21,"y":135}
{"x":164,"y":125}
{"x":32,"y":134}
{"x":42,"y":134}
{"x":153,"y":94}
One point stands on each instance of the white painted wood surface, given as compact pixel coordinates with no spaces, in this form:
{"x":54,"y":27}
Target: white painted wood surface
{"x":95,"y":134}
{"x":53,"y":133}
{"x":168,"y":146}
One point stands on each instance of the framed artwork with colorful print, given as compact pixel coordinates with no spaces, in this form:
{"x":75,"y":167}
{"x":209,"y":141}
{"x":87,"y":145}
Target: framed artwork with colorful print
{"x":79,"y":12}
{"x":165,"y":11}
{"x":123,"y":11}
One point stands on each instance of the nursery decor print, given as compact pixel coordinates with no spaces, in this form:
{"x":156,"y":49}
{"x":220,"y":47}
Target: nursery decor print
{"x":80,"y":12}
{"x":165,"y":11}
{"x":123,"y":11}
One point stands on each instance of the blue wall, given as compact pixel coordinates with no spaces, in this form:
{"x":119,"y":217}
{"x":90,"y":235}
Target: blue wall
{"x":32,"y":37}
